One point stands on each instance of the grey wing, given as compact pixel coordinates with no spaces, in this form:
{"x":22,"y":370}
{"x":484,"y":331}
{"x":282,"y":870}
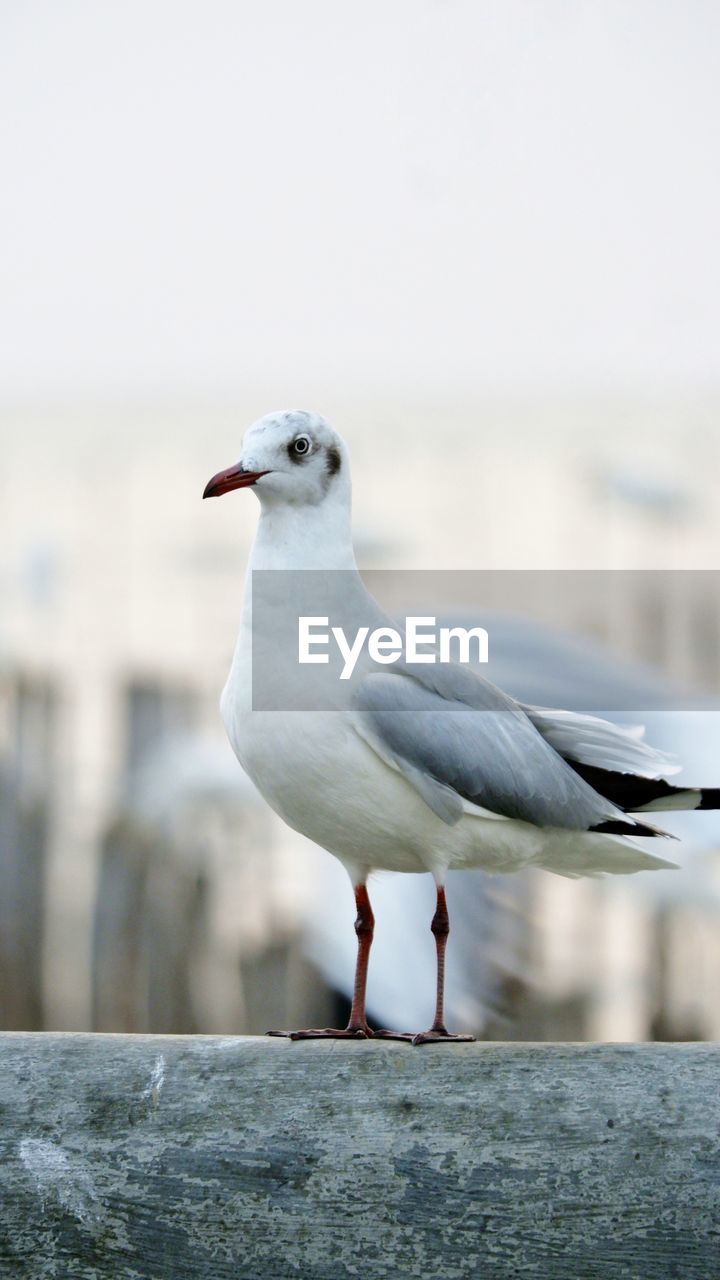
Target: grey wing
{"x":457,"y":738}
{"x":600,"y":743}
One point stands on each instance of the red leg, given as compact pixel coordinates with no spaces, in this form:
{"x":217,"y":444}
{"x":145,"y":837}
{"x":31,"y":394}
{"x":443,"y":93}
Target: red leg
{"x":441,"y":928}
{"x":357,"y":1027}
{"x":438,"y":1032}
{"x":364,"y":928}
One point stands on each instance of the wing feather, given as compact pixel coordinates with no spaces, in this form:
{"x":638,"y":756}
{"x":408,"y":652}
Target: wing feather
{"x":456,"y":737}
{"x":593,"y":741}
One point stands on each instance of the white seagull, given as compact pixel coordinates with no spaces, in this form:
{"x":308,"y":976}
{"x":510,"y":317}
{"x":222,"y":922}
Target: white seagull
{"x":416,"y":767}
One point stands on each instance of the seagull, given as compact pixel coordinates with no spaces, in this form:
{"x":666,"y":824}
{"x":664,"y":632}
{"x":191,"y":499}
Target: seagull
{"x":412,"y":767}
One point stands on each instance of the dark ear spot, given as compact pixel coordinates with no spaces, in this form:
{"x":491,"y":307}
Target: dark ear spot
{"x":333,"y":461}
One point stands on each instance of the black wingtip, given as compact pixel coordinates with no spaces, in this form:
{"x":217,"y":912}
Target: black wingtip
{"x":616,"y":827}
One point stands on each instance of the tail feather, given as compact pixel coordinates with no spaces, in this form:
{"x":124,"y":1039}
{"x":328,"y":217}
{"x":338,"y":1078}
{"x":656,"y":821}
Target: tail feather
{"x":593,"y":854}
{"x":635,"y":794}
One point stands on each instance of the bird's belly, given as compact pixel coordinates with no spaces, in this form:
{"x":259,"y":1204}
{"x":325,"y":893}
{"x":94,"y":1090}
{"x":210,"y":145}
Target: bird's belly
{"x":324,"y":781}
{"x":316,"y":772}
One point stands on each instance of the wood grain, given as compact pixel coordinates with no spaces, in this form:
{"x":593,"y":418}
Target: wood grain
{"x":157,"y":1156}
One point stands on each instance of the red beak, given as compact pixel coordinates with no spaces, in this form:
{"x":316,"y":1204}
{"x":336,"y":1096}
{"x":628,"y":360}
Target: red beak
{"x":234,"y":478}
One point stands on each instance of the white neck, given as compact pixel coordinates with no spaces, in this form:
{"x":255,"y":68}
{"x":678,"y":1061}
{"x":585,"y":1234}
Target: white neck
{"x":292,"y":536}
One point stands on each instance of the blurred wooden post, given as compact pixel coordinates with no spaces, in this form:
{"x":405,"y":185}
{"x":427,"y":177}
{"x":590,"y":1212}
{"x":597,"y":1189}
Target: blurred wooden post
{"x":230,"y":1158}
{"x":26,"y":781}
{"x":23,"y":848}
{"x":146,"y":915}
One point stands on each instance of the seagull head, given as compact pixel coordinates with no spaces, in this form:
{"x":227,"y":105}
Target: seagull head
{"x":287,"y":457}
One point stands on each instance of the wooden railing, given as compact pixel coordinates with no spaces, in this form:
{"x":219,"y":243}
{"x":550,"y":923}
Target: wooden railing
{"x":207,"y":1158}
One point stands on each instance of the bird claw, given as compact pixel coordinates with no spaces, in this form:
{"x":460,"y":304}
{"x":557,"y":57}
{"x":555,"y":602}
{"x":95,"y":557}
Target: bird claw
{"x":422,"y":1037}
{"x":440,"y":1037}
{"x":325,"y":1033}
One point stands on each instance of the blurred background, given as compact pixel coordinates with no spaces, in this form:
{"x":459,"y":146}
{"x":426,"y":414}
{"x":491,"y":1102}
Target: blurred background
{"x":480,"y":238}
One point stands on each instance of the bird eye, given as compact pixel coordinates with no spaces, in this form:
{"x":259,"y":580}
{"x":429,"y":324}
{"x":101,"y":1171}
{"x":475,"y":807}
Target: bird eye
{"x":301,"y":445}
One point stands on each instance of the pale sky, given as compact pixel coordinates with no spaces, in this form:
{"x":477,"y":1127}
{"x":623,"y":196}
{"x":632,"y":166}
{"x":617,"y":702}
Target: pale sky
{"x":454,"y":197}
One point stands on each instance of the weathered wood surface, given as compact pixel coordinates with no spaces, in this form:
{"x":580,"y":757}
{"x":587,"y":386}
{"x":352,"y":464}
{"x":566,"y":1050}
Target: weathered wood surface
{"x":206,"y":1157}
